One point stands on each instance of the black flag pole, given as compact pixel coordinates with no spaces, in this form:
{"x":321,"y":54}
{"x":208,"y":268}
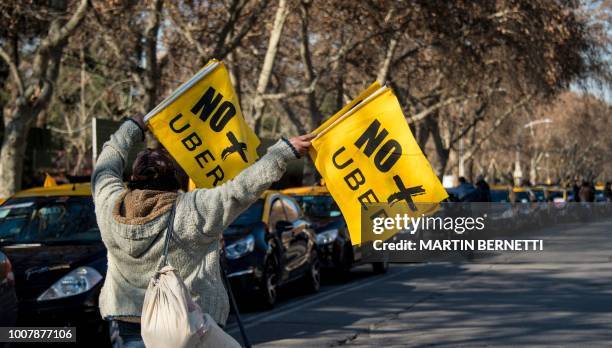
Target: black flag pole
{"x":243,"y":334}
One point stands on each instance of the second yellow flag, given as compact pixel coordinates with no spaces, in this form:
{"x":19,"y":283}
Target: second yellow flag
{"x":369,"y":155}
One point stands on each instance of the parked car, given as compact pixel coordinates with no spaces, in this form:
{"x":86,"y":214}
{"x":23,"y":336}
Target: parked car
{"x":501,"y":206}
{"x":523,"y":195}
{"x":52,"y":240}
{"x":500,"y":194}
{"x":269,"y":245}
{"x":558,"y":194}
{"x":8,"y":297}
{"x":599,"y":194}
{"x":540,"y":193}
{"x":543,"y":208}
{"x":333,"y":238}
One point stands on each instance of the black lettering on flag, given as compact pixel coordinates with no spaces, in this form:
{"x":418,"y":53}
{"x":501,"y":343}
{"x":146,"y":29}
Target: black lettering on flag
{"x":192,"y":141}
{"x":405,"y":194}
{"x":173,"y":121}
{"x":207,"y":103}
{"x":388,"y":155}
{"x":222,"y":116}
{"x":217,"y":173}
{"x":357,"y":179}
{"x":235,"y":147}
{"x":368,"y":197}
{"x":202,"y":156}
{"x":371,"y":138}
{"x":335,"y":162}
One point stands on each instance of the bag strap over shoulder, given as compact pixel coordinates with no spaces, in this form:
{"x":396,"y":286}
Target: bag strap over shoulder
{"x":169,"y":231}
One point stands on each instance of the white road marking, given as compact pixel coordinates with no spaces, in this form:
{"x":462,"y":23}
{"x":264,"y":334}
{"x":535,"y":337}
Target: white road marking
{"x":267,"y":316}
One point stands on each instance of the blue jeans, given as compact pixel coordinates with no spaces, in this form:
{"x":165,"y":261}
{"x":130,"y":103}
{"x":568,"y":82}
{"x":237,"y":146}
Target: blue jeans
{"x":125,"y":335}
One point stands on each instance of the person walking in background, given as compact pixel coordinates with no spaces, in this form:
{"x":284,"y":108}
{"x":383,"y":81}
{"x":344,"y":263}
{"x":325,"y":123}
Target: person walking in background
{"x":576,"y":191}
{"x":607,"y":192}
{"x":133,"y":219}
{"x":465,"y":191}
{"x":484,"y":191}
{"x":587,"y":192}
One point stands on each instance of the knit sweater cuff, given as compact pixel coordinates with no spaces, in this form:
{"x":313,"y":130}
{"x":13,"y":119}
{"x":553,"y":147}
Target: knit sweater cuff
{"x":284,"y":150}
{"x":132,"y":132}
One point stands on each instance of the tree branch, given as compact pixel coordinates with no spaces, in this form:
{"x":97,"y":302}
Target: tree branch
{"x":234,"y":14}
{"x":496,"y":124}
{"x":426,"y":112}
{"x":296,"y":93}
{"x":385,"y":67}
{"x":479,"y":116}
{"x":244,"y":29}
{"x":14,"y":70}
{"x":69,"y":27}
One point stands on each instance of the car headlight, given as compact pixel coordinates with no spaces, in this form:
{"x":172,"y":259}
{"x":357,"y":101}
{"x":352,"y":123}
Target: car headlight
{"x":327,"y":237}
{"x":76,"y":282}
{"x":240,"y":248}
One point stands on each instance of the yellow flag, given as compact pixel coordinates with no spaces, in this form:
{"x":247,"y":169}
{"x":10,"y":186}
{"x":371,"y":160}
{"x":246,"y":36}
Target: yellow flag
{"x":191,"y":185}
{"x":367,"y":154}
{"x":202,"y":127}
{"x":49,"y":181}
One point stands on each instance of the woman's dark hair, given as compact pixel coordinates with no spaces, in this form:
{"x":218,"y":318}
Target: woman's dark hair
{"x":154,"y":169}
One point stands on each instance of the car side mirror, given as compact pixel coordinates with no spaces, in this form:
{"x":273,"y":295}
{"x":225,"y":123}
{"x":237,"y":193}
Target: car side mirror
{"x":283,"y":225}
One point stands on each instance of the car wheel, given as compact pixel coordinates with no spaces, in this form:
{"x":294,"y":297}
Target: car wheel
{"x":269,"y":284}
{"x":312,"y":277}
{"x":380,"y":267}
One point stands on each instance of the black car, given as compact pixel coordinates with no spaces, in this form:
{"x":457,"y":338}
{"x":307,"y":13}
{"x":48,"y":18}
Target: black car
{"x":8,"y":297}
{"x":333,"y":239}
{"x":58,"y":259}
{"x":270,"y":245}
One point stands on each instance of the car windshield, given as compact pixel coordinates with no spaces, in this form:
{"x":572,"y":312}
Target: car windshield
{"x":539,"y":194}
{"x":522,"y":196}
{"x":48,"y":220}
{"x":251,"y":215}
{"x":318,"y":206}
{"x":499,"y":196}
{"x":556,"y":194}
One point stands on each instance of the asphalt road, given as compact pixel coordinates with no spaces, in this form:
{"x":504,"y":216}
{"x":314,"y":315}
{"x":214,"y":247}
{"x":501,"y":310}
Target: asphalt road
{"x":560,"y":297}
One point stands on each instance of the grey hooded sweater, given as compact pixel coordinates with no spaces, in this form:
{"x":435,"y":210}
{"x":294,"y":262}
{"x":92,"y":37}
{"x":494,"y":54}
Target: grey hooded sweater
{"x":135,"y":240}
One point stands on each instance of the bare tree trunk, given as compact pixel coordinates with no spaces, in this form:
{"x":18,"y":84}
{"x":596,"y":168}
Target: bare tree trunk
{"x":291,"y":115}
{"x":258,"y":102}
{"x":33,"y":96}
{"x":422,"y":134}
{"x":235,"y":75}
{"x":442,"y":151}
{"x":83,"y":114}
{"x":152,"y":73}
{"x":469,"y":163}
{"x":309,"y":74}
{"x":41,"y":119}
{"x":13,"y":150}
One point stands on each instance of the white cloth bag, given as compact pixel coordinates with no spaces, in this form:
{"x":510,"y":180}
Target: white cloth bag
{"x":170,"y":317}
